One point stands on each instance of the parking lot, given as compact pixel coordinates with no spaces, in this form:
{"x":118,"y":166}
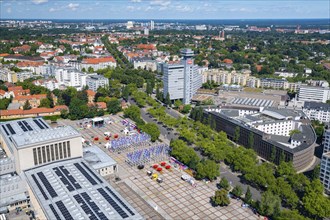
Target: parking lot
{"x":174,"y":198}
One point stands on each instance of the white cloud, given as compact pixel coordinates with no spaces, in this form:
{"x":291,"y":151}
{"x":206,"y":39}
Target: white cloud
{"x":73,"y":6}
{"x":133,"y":8}
{"x":53,"y":9}
{"x":148,"y":8}
{"x":8,"y":10}
{"x":136,"y":1}
{"x":184,"y":8}
{"x":160,"y":3}
{"x":37,"y":2}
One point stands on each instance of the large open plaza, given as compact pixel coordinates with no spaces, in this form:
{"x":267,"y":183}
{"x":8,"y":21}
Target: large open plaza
{"x":173,"y":198}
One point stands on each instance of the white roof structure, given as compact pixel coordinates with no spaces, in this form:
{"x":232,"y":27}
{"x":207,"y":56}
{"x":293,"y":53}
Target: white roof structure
{"x":31,"y":131}
{"x":70,"y":190}
{"x":97,"y":158}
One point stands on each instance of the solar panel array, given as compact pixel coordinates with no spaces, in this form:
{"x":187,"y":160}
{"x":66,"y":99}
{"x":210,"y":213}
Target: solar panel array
{"x":39,"y":186}
{"x":66,"y":191}
{"x":27,"y":125}
{"x":84,"y":172}
{"x":22,"y":126}
{"x":38,"y":124}
{"x":46,"y":183}
{"x":54,"y":211}
{"x":45,"y":125}
{"x":112,"y":202}
{"x":119,"y":200}
{"x":10,"y":129}
{"x":96,"y":177}
{"x":64,"y":210}
{"x":252,"y":102}
{"x":89,"y":207}
{"x":4,"y":128}
{"x":64,"y":180}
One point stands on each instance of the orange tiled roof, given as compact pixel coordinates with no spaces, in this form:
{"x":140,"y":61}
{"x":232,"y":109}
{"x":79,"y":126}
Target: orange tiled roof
{"x":15,"y":88}
{"x":32,"y":111}
{"x":228,"y":61}
{"x":30,"y":97}
{"x":98,"y":60}
{"x":90,"y":92}
{"x":146,"y":46}
{"x":4,"y":54}
{"x":2,"y":92}
{"x":29,"y":64}
{"x":101,"y":105}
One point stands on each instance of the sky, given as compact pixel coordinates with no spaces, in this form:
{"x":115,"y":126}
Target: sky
{"x":163,"y":9}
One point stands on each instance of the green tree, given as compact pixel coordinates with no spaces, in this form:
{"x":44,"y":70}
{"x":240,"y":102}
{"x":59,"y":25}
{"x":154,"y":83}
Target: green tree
{"x":45,"y":103}
{"x":114,"y":106}
{"x":316,"y":172}
{"x":4,"y":103}
{"x":236,"y":134}
{"x":132,"y":112}
{"x":251,"y":140}
{"x":273,"y":154}
{"x":168,"y":99}
{"x":314,"y":202}
{"x":224,"y":184}
{"x":248,"y":196}
{"x":220,"y":198}
{"x":149,"y":88}
{"x":27,"y":105}
{"x":125,"y":92}
{"x":186,"y":109}
{"x":151,"y":129}
{"x":177,"y":103}
{"x":90,"y":69}
{"x":237,"y":191}
{"x":208,"y":169}
{"x":289,"y":215}
{"x":268,"y":203}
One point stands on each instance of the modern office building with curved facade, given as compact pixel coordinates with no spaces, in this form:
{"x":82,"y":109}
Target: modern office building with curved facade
{"x":275,"y":134}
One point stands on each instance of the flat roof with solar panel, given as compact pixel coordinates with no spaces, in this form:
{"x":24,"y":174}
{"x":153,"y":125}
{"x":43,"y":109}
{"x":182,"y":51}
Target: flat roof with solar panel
{"x":31,"y":131}
{"x":71,"y":190}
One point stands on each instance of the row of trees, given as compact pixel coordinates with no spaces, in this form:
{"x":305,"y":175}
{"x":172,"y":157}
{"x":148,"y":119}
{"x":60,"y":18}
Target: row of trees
{"x":282,"y":181}
{"x":133,"y":112}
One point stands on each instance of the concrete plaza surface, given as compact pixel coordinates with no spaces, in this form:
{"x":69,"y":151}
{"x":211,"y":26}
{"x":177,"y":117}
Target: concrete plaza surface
{"x":172,"y":199}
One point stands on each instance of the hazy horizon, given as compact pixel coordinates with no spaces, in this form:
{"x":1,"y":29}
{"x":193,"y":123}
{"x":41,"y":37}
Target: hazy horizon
{"x":164,"y":9}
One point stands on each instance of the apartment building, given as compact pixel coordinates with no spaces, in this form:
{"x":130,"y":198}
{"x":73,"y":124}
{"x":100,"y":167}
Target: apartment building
{"x":70,"y":76}
{"x":313,"y":94}
{"x":325,"y":162}
{"x":274,"y":83}
{"x":95,"y":81}
{"x":98,"y":63}
{"x":317,"y":111}
{"x":182,"y":80}
{"x":225,"y":77}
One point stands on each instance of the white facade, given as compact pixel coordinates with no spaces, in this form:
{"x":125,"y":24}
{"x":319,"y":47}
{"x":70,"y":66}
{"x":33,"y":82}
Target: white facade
{"x":152,"y":25}
{"x":317,"y":111}
{"x":96,"y":81}
{"x":38,"y":146}
{"x":69,"y":76}
{"x":278,"y":128}
{"x":313,"y":94}
{"x":97,"y":66}
{"x":325,"y":162}
{"x":182,"y":80}
{"x":274,"y":83}
{"x":174,"y":81}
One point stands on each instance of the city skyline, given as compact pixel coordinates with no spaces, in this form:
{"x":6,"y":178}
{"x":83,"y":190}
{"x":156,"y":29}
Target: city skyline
{"x":167,"y":9}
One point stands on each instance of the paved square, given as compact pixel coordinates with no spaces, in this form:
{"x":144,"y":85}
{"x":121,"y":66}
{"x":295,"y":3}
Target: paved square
{"x":172,"y":199}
